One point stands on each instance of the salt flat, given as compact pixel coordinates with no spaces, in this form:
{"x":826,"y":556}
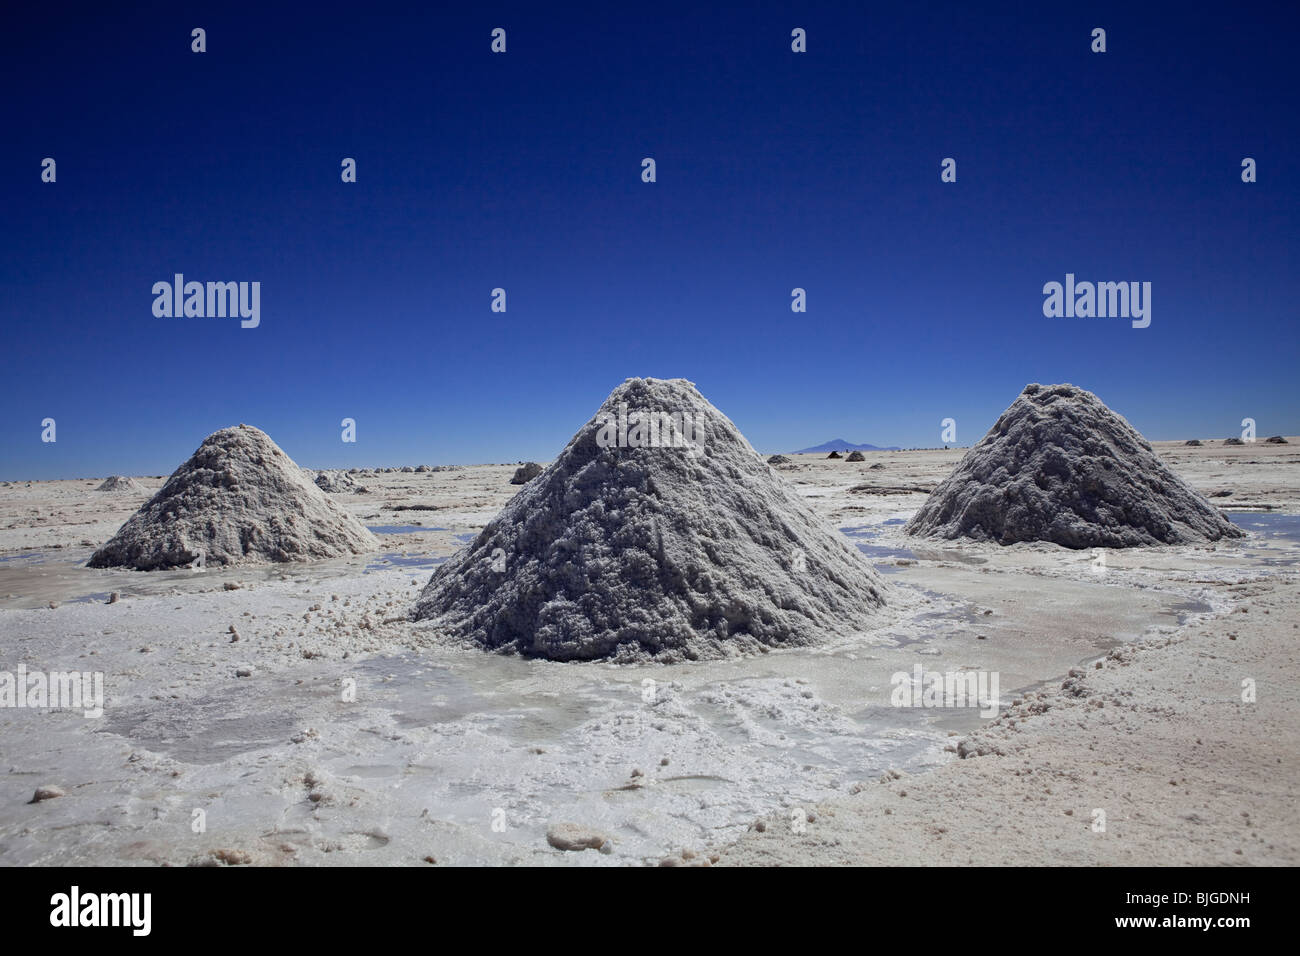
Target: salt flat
{"x":449,"y":753}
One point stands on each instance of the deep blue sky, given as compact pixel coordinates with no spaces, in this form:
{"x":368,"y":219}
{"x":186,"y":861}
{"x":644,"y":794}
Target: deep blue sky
{"x":522,"y":170}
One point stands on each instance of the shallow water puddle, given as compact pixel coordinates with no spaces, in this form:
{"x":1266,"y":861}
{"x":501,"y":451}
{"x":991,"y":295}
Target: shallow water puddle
{"x":393,"y":559}
{"x":34,"y":557}
{"x":857,"y":533}
{"x":400,"y":528}
{"x":1268,"y":523}
{"x":1274,"y":537}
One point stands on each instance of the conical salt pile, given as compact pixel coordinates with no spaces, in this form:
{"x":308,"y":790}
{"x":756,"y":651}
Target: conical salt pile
{"x":335,"y":482}
{"x":1060,"y":466}
{"x":238,"y":500}
{"x":671,"y":542}
{"x":118,"y":483}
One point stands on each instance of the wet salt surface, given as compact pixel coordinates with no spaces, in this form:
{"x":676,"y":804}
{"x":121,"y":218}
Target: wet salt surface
{"x":31,"y":557}
{"x":1268,"y":523}
{"x":445,"y":738}
{"x":1184,"y":610}
{"x":91,"y":598}
{"x":62,"y":577}
{"x":859,"y":535}
{"x":1269,"y":528}
{"x":438,"y":741}
{"x":455,"y":741}
{"x":454,"y":738}
{"x":400,"y":528}
{"x":458,"y":740}
{"x":393,"y":559}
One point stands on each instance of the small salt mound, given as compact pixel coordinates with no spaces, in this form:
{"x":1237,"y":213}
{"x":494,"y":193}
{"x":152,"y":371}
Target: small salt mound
{"x":338,"y":482}
{"x":526,"y":473}
{"x":778,"y":460}
{"x":856,"y":456}
{"x":1060,"y":466}
{"x":239,"y":499}
{"x":119,"y":483}
{"x":654,"y":552}
{"x":834,"y":454}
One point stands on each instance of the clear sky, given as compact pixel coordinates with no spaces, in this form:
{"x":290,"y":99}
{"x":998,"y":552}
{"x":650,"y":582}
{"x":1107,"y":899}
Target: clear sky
{"x":522,"y":170}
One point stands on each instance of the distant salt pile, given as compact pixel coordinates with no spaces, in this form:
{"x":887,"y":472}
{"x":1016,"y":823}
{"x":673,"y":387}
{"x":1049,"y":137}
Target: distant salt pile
{"x":526,"y":473}
{"x":1060,"y":466}
{"x":679,"y":547}
{"x":834,"y":454}
{"x":123,"y":485}
{"x":778,"y":460}
{"x":856,"y":456}
{"x":1276,"y":440}
{"x":1233,"y":441}
{"x":239,"y":499}
{"x":1194,"y":442}
{"x":338,"y":483}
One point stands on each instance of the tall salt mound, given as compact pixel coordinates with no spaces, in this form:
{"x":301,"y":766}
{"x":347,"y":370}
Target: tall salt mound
{"x":238,"y":500}
{"x":1060,"y":466}
{"x":660,"y":549}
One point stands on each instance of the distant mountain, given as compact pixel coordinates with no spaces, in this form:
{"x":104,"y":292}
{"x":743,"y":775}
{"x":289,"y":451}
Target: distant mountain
{"x":839,"y":444}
